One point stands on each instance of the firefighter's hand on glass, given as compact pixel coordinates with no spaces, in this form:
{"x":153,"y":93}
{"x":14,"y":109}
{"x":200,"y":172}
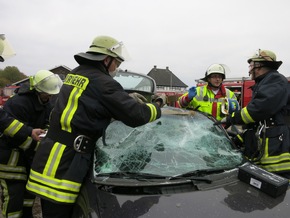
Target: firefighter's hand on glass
{"x":138,"y":97}
{"x":161,"y":99}
{"x":226,"y":122}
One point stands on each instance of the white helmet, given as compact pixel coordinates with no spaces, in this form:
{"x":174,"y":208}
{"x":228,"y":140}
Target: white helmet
{"x":46,"y":81}
{"x":216,"y":68}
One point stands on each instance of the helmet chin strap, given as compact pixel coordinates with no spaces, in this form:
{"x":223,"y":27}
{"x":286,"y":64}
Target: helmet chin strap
{"x":109,"y":64}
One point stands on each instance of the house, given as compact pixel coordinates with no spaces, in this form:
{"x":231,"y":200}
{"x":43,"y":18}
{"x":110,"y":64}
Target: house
{"x":166,"y":80}
{"x":168,"y":84}
{"x":62,"y":71}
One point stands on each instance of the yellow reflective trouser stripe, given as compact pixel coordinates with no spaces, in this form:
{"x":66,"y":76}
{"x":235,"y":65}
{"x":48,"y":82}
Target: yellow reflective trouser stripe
{"x":54,"y":159}
{"x":153,"y":112}
{"x":266,"y":159}
{"x":16,"y":176}
{"x":276,"y":167}
{"x":6,"y":201}
{"x":70,"y":109}
{"x":11,"y":170}
{"x":55,"y":189}
{"x":246,"y":116}
{"x":6,"y":197}
{"x":274,"y":163}
{"x":17,"y":214}
{"x":28,"y":202}
{"x":13,"y":128}
{"x":276,"y":159}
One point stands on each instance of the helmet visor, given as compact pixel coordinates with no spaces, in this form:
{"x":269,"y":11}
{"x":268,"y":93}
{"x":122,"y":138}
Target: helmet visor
{"x":120,"y":51}
{"x":7,"y":48}
{"x":50,"y":85}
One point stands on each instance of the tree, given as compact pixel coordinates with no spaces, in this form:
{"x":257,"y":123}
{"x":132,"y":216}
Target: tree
{"x":10,"y":75}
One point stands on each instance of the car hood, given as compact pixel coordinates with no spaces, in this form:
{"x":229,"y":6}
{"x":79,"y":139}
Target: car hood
{"x":235,"y":199}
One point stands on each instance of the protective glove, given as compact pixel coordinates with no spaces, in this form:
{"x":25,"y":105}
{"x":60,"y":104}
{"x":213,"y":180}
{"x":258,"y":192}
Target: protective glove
{"x":226,"y":122}
{"x":160,"y":98}
{"x":233,"y":105}
{"x":192,"y":93}
{"x":138,"y":97}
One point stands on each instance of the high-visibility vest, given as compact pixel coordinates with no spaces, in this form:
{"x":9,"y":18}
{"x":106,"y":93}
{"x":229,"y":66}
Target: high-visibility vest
{"x":207,"y":101}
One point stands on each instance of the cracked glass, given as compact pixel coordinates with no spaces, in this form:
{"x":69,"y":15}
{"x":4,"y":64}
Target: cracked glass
{"x":180,"y":141}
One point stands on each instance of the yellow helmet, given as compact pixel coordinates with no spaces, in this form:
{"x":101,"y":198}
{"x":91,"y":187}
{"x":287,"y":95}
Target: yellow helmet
{"x":101,"y":47}
{"x":267,"y":57}
{"x":46,"y":81}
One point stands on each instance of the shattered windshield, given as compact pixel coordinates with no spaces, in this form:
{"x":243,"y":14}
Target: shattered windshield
{"x":179,"y":142}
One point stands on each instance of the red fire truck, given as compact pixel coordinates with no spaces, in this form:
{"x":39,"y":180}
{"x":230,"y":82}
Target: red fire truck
{"x":6,"y":92}
{"x":242,"y":88}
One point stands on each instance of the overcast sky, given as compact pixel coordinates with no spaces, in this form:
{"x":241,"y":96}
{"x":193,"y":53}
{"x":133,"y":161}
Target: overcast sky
{"x":185,"y":35}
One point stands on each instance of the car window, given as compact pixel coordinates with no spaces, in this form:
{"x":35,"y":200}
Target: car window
{"x":136,"y":82}
{"x":176,"y":143}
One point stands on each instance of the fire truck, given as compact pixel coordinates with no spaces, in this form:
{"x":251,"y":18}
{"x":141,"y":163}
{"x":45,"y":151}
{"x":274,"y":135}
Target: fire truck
{"x":6,"y":92}
{"x":242,"y":89}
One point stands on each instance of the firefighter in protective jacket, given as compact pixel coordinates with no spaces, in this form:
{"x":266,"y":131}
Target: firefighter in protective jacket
{"x":213,"y":98}
{"x":266,"y":138}
{"x":8,"y":125}
{"x":32,"y":107}
{"x":88,"y":100}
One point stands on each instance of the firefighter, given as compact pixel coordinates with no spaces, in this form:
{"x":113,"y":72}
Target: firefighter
{"x":266,"y":136}
{"x":88,"y":100}
{"x":10,"y":126}
{"x":213,"y":98}
{"x":31,"y":106}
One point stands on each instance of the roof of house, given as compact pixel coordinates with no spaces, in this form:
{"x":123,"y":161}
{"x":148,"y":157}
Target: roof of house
{"x":61,"y":70}
{"x":164,"y":77}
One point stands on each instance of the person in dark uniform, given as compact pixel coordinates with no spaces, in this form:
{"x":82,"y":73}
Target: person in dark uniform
{"x":31,"y":106}
{"x":88,"y":100}
{"x":266,"y":136}
{"x":8,"y":125}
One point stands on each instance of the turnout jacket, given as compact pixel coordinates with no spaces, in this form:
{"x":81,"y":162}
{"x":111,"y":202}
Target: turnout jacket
{"x":207,"y":101}
{"x":16,"y":153}
{"x":263,"y":116}
{"x":88,"y":100}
